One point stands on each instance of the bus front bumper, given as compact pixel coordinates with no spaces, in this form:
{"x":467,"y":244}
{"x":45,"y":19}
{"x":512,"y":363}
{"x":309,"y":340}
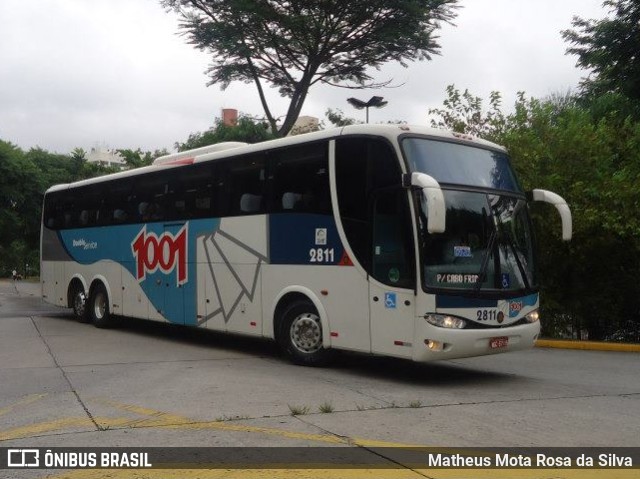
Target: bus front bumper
{"x":433,"y":343}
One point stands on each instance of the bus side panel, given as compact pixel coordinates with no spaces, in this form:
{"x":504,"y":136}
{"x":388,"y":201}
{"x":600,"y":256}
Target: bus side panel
{"x":305,"y":250}
{"x":230,"y":261}
{"x":47,"y":277}
{"x":54,"y":255}
{"x":345,"y":301}
{"x":134,"y":300}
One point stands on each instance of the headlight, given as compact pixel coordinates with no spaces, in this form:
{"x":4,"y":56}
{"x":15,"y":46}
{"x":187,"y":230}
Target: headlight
{"x":445,"y":321}
{"x":532,"y":317}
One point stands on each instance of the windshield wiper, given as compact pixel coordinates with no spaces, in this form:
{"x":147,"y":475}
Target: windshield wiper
{"x":485,"y":259}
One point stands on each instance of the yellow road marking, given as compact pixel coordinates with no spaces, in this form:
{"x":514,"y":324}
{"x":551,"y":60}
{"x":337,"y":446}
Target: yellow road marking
{"x":57,"y":425}
{"x":588,"y":345}
{"x":31,"y":398}
{"x":160,"y":419}
{"x":157,"y":418}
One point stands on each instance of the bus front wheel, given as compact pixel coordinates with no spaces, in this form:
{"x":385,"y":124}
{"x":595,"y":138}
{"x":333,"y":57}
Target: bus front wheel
{"x":300,"y":335}
{"x":99,"y":307}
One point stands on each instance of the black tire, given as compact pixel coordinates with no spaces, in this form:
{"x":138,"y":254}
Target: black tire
{"x":300,"y":335}
{"x":79,"y":304}
{"x":98,"y":308}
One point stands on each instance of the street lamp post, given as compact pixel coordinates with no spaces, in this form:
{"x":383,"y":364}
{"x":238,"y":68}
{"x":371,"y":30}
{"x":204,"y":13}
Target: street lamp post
{"x":375,"y":101}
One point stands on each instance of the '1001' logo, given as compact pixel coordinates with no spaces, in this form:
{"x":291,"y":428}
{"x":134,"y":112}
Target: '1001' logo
{"x":165,"y":252}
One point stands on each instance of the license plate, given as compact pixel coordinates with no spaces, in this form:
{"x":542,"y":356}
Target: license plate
{"x":500,"y":342}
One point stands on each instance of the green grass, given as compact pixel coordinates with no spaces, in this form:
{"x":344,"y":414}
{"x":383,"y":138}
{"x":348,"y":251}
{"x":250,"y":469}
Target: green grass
{"x":326,"y":407}
{"x":298,"y":410}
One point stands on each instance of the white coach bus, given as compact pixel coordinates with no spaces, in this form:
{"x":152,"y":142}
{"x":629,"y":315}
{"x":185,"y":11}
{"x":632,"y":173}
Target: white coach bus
{"x":391,"y":240}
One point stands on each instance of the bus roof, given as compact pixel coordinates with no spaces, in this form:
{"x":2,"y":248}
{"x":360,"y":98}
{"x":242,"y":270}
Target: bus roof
{"x":228,"y":149}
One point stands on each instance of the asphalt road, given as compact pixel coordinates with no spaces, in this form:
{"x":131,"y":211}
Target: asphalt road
{"x":63,"y":383}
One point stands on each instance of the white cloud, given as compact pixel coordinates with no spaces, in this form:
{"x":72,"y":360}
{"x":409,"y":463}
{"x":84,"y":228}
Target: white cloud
{"x":77,"y":72}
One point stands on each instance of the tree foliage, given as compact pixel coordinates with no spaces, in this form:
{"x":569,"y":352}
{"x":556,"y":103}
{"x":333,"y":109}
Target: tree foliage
{"x":24,"y":177}
{"x":610,"y":48}
{"x":296,"y":44}
{"x":137,"y":158}
{"x":246,"y":130}
{"x":463,"y":113}
{"x":337,"y":118}
{"x":557,"y":144}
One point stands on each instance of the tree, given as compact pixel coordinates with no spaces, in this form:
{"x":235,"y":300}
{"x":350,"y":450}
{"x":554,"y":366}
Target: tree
{"x":246,"y":130}
{"x":463,"y":113}
{"x":137,"y":158}
{"x":609,"y":47}
{"x":296,"y":44}
{"x":337,"y":118}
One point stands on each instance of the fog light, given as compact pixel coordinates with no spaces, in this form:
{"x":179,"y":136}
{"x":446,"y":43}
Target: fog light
{"x":434,"y":345}
{"x":532,"y":317}
{"x":445,"y":321}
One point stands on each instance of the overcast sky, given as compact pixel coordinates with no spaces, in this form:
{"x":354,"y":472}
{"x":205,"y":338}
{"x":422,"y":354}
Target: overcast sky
{"x":81,"y":73}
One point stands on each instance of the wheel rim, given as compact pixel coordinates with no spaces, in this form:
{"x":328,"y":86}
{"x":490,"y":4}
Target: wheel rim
{"x":100,"y":306}
{"x":306,"y":333}
{"x":79,"y":302}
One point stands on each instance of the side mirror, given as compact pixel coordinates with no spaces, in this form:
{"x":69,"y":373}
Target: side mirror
{"x":432,"y":193}
{"x":562,"y":207}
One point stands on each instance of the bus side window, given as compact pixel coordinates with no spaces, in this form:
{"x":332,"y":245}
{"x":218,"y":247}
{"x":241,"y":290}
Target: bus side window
{"x":152,"y":194}
{"x":246,"y":186}
{"x":193,"y":192}
{"x":52,"y":205}
{"x":363,"y":166}
{"x":300,"y":179}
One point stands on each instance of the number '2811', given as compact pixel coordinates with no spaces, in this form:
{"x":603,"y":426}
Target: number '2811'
{"x":321,"y":255}
{"x":486,"y":314}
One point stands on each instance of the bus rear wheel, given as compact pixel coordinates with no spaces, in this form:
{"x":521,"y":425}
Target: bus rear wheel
{"x":79,"y":304}
{"x":99,"y":308}
{"x":300,"y":335}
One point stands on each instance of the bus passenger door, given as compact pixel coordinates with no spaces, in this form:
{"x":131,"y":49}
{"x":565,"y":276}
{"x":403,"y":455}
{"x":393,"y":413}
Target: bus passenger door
{"x":391,"y":276}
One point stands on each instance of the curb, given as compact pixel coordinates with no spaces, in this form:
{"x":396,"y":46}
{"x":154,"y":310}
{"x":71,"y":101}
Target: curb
{"x":587,"y":345}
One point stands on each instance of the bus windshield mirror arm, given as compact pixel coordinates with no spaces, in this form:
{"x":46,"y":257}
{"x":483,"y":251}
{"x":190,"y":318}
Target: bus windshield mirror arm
{"x":434,"y":198}
{"x":562,"y":207}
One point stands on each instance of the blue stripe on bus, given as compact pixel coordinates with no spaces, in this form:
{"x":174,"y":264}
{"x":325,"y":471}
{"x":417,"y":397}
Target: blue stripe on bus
{"x":302,"y":238}
{"x":176,"y":301}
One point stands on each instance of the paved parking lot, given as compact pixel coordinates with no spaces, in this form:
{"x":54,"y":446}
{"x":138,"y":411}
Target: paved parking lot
{"x":68,"y":384}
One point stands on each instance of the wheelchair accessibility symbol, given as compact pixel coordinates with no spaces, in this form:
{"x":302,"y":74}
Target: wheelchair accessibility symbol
{"x":390,"y":300}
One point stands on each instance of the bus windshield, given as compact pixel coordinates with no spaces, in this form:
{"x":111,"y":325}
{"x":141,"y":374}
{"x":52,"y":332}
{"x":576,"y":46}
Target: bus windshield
{"x":456,"y":164}
{"x":487,"y":245}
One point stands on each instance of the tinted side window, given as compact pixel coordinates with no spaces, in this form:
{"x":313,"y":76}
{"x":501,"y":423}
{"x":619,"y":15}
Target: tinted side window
{"x":363,"y":166}
{"x":300,"y":179}
{"x":87,"y":202}
{"x":194,"y":193}
{"x":245,"y":185}
{"x":52,"y":216}
{"x":151,"y":198}
{"x":117,"y":208}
